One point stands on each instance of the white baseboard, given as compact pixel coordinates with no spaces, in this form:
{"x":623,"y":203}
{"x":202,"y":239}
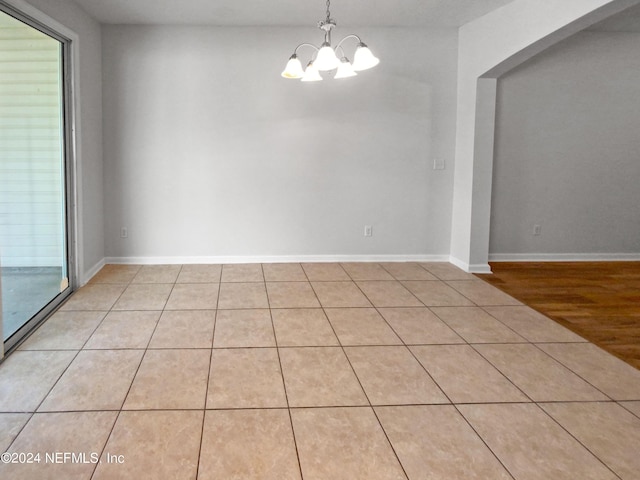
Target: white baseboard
{"x":273,"y":259}
{"x":564,"y":257}
{"x":89,"y":274}
{"x":470,"y":268}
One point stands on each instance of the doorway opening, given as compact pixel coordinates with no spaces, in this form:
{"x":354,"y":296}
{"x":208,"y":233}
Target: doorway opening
{"x":36,"y":180}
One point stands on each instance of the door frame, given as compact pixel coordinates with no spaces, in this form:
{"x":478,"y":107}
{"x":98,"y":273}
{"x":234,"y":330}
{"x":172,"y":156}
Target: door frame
{"x":29,"y":15}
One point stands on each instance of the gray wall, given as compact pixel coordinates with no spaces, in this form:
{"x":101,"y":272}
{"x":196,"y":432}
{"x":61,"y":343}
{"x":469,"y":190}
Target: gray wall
{"x":567,"y":151}
{"x":209,"y":152}
{"x":202,"y":160}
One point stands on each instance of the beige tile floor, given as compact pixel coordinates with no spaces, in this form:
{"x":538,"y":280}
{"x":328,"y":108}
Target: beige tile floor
{"x":315,"y":371}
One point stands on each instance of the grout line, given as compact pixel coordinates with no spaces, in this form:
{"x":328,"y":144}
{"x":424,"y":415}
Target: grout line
{"x":463,"y":342}
{"x":284,"y":384}
{"x":410,"y":351}
{"x":206,"y":394}
{"x":133,"y":378}
{"x":472,"y":345}
{"x":364,"y":405}
{"x":495,"y":455}
{"x":620,"y":402}
{"x":68,"y":365}
{"x":574,"y":373}
{"x":576,"y":438}
{"x":364,"y":391}
{"x":204,"y":411}
{"x":405,"y":345}
{"x":113,"y":426}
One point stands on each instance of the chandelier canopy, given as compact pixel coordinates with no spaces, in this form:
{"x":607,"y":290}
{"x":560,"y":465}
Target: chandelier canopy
{"x":325,"y":58}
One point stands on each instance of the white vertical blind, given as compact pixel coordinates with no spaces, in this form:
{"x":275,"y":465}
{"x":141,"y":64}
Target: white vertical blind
{"x":31,"y":168}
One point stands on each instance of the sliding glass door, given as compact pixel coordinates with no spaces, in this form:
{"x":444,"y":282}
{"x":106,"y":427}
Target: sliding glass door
{"x":34,"y":255}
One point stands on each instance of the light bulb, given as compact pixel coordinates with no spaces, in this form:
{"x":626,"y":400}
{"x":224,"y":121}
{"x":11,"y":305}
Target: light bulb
{"x":293,"y":68}
{"x":311,"y":74}
{"x":326,"y":58}
{"x":345,"y":69}
{"x":364,"y":59}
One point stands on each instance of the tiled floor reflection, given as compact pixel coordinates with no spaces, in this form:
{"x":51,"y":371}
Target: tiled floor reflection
{"x":311,"y":371}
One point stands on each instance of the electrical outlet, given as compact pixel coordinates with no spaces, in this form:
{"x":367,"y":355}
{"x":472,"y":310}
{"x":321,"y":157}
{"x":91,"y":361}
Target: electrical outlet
{"x":537,"y":230}
{"x":368,"y":231}
{"x":124,"y":233}
{"x":438,"y":163}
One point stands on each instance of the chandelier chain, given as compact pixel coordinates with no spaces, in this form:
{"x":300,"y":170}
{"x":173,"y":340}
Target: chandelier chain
{"x":328,"y":13}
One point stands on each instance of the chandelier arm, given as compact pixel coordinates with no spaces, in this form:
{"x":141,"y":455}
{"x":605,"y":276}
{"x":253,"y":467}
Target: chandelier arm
{"x":295,"y":52}
{"x":347,"y":37}
{"x":326,"y":58}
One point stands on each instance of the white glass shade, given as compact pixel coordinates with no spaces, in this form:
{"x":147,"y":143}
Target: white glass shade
{"x":326,"y":58}
{"x":345,"y":69}
{"x":311,"y":74}
{"x":293,"y":68}
{"x":364,"y":59}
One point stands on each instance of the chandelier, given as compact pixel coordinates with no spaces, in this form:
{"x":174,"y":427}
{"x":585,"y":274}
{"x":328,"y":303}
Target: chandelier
{"x":327,"y":58}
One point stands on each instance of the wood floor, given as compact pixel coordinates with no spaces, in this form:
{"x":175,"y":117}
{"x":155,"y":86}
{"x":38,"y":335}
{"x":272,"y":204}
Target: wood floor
{"x":598,"y":300}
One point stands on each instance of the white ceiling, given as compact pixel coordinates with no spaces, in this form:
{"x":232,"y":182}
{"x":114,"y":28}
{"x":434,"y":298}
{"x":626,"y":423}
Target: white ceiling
{"x":433,"y":13}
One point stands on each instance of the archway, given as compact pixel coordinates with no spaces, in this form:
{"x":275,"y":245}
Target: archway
{"x":489,"y":47}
